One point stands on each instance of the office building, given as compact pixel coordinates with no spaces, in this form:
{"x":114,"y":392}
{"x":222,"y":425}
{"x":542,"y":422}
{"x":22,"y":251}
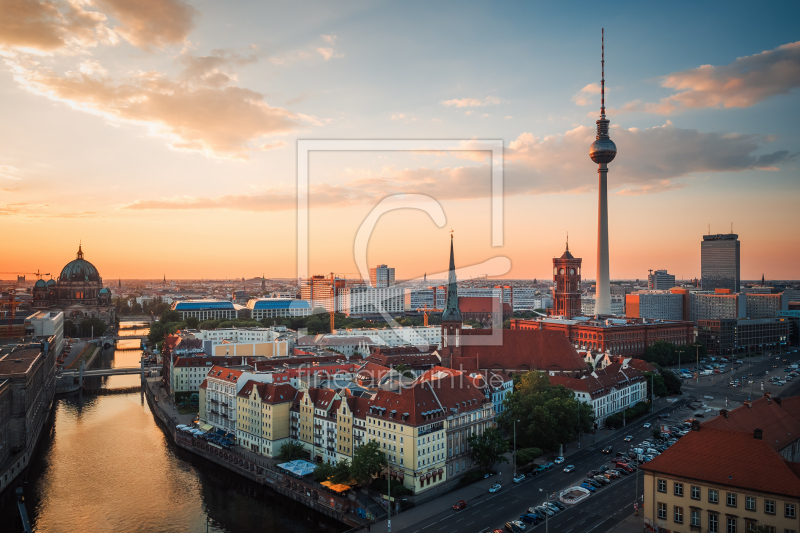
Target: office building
{"x":278,"y":307}
{"x":660,"y":280}
{"x":719,"y":262}
{"x":589,"y":305}
{"x":208,"y":309}
{"x":617,"y":336}
{"x":766,"y":305}
{"x":717,"y":305}
{"x":730,"y":336}
{"x":369,"y":302}
{"x":655,"y":304}
{"x":381,"y":276}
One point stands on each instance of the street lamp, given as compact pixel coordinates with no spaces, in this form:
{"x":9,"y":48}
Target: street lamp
{"x":515,"y":446}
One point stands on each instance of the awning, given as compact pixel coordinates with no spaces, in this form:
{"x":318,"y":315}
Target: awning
{"x":440,"y":471}
{"x":326,"y":484}
{"x":339,"y":488}
{"x":206,"y":427}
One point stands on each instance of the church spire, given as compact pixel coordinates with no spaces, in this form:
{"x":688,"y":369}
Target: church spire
{"x":79,"y":255}
{"x":451,"y":312}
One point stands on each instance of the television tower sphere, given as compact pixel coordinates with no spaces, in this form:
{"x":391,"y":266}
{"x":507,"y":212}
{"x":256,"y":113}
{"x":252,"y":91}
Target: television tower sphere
{"x":603,"y":150}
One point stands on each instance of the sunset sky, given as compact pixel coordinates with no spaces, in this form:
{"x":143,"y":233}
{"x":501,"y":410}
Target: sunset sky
{"x":162,"y":134}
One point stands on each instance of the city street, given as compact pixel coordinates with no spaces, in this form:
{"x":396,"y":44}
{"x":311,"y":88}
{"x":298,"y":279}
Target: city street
{"x":755,"y":369}
{"x":606,"y":507}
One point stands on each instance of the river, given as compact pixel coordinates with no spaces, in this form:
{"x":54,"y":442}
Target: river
{"x":106,"y":466}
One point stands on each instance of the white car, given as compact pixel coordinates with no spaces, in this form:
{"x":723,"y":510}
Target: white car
{"x":647,"y":425}
{"x":558,"y":460}
{"x":519,"y":478}
{"x":495,"y":488}
{"x":518,"y":523}
{"x":569,"y":468}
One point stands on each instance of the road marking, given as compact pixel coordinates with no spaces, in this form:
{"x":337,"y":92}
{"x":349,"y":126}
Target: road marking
{"x":459,"y":520}
{"x":468,"y":523}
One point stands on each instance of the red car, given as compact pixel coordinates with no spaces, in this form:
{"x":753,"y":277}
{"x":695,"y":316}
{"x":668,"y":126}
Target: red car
{"x":460,"y":504}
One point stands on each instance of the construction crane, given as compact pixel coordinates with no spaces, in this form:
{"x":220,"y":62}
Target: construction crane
{"x":12,"y":310}
{"x":38,"y":273}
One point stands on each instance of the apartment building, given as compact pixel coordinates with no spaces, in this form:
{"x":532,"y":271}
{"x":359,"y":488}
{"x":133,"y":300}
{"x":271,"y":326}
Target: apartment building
{"x":262,"y":416}
{"x":222,"y":387}
{"x":720,"y":481}
{"x":608,"y":391}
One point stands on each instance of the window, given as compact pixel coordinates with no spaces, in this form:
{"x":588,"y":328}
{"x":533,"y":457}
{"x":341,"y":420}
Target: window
{"x":662,"y":485}
{"x":789,"y":510}
{"x":678,"y":489}
{"x":730,"y":499}
{"x":662,"y":511}
{"x":731,"y":525}
{"x":696,"y":517}
{"x":679,"y":515}
{"x":713,"y":496}
{"x":769,"y":506}
{"x":713,"y":523}
{"x":750,"y":503}
{"x":695,"y":492}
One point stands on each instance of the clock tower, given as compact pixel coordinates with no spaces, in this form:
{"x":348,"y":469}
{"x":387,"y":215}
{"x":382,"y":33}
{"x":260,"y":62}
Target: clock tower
{"x":567,"y":277}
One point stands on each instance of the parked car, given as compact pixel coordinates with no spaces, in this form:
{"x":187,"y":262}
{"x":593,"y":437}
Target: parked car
{"x":558,"y":460}
{"x":588,"y":487}
{"x":529,"y":518}
{"x":519,"y":523}
{"x":592,"y":482}
{"x":552,"y":507}
{"x":512,"y":527}
{"x":602,"y":479}
{"x":545,"y":510}
{"x":519,"y":478}
{"x":459,"y":505}
{"x":559,"y":504}
{"x":602,"y":469}
{"x":549,"y":465}
{"x":569,"y":468}
{"x":495,"y":488}
{"x":592,"y":473}
{"x":537,"y":512}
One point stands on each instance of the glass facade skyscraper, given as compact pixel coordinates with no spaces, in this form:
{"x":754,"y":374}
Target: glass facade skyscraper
{"x":719,"y":262}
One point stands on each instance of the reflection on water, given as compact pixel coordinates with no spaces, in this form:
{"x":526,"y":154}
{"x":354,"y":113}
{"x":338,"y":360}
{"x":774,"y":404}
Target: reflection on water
{"x":107,"y":466}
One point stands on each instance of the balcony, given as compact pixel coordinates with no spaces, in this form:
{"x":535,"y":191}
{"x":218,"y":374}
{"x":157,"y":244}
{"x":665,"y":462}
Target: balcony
{"x":357,"y":437}
{"x":431,"y":429}
{"x":213,"y":400}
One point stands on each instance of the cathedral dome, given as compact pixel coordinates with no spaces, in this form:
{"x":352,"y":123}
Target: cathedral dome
{"x":79,"y":270}
{"x":51,"y":283}
{"x":40,"y":284}
{"x":104,"y":290}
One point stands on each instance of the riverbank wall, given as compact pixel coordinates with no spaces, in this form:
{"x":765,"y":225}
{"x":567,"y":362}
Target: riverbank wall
{"x":314,"y":496}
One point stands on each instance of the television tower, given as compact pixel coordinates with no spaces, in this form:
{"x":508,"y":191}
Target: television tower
{"x":602,"y":152}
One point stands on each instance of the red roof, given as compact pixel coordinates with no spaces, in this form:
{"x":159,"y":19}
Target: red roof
{"x":601,"y":383}
{"x":359,"y":405}
{"x":407,"y":406}
{"x":731,"y":458}
{"x":779,"y":421}
{"x":224,"y":374}
{"x":523,"y":349}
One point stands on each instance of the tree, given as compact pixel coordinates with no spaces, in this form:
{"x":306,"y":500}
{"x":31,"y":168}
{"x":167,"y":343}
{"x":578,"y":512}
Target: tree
{"x":656,"y":432}
{"x":474,"y":324}
{"x":291,"y":451}
{"x":488,"y":448}
{"x":192,"y":322}
{"x":170,"y":316}
{"x":671,"y":381}
{"x":368,"y":460}
{"x":341,"y":473}
{"x":323,"y":471}
{"x":92,"y":326}
{"x":528,"y":455}
{"x":547,"y":415}
{"x":404,"y":370}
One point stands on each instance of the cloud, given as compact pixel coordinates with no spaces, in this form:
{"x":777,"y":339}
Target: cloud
{"x":649,"y":157}
{"x":30,"y":210}
{"x":195,"y":112}
{"x":743,"y":83}
{"x":583,"y":96}
{"x":40,"y":26}
{"x":652,"y":188}
{"x":152,"y":23}
{"x":10,"y":173}
{"x":403,"y":118}
{"x":329,"y":38}
{"x":472,"y":102}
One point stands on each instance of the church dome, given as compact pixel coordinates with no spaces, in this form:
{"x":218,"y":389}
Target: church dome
{"x":51,"y":283}
{"x":40,"y":284}
{"x":79,"y":270}
{"x":104,"y":290}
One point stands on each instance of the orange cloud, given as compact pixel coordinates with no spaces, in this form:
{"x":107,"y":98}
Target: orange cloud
{"x":743,"y":83}
{"x":583,"y":96}
{"x":152,"y":23}
{"x":47,"y":26}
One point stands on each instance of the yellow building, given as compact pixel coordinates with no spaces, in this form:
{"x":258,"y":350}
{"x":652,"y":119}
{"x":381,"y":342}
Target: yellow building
{"x":721,"y":481}
{"x":262,"y":417}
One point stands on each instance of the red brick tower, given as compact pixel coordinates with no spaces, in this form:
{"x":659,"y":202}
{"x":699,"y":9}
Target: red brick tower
{"x":567,"y":277}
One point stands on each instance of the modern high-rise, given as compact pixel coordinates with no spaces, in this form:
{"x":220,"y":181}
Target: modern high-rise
{"x":658,"y":280}
{"x":381,"y":276}
{"x":719,"y":262}
{"x":602,"y":152}
{"x":654,"y":305}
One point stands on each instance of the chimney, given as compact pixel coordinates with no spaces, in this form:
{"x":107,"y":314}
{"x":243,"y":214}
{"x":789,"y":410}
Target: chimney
{"x":724,"y":412}
{"x":778,"y":401}
{"x":748,"y":403}
{"x":758,"y":434}
{"x":695,"y":425}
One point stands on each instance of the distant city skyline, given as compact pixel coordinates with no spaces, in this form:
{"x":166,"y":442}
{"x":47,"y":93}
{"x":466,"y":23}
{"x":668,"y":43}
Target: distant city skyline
{"x":168,"y":143}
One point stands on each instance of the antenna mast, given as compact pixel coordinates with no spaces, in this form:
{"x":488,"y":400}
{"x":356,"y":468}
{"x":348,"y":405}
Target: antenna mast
{"x":603,"y":74}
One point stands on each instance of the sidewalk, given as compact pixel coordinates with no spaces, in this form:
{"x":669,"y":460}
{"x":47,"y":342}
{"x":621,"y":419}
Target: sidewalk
{"x":632,"y":524}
